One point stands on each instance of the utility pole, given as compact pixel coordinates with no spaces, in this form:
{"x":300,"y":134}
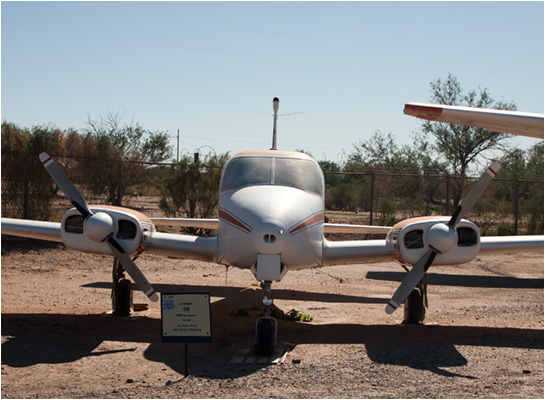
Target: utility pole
{"x":178,"y":148}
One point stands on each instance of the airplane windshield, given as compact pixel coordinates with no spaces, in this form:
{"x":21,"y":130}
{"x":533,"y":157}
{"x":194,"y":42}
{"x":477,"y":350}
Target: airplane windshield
{"x":251,"y":171}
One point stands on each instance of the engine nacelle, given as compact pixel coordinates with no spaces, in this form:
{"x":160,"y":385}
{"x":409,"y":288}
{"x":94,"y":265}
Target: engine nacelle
{"x":412,"y":238}
{"x":131,"y":229}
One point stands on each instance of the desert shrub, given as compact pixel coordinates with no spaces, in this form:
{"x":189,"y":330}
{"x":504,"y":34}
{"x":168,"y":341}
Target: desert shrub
{"x":506,"y":229}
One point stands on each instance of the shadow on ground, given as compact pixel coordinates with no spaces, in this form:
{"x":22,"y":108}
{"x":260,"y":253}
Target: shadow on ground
{"x":481,"y":281}
{"x":30,"y":339}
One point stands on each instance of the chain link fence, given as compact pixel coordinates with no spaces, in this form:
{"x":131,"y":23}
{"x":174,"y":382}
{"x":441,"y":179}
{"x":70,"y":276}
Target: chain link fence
{"x":508,"y":206}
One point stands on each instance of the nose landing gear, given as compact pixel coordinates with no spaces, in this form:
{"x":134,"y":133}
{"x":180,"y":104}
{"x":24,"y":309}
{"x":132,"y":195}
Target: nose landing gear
{"x":266,"y":326}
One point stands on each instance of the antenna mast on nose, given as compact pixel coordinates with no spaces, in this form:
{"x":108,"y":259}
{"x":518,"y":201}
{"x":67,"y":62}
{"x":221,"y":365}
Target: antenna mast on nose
{"x":275,"y":118}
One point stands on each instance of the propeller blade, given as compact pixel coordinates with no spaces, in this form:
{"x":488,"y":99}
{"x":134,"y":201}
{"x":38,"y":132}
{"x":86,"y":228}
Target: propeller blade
{"x":410,"y":281}
{"x":422,"y":265}
{"x":66,"y":185}
{"x":474,"y":194}
{"x":81,"y":205}
{"x":133,"y":270}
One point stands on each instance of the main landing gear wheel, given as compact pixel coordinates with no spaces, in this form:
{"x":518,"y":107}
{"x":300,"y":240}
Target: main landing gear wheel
{"x":266,"y":326}
{"x":414,"y":308}
{"x":121,"y":292}
{"x":123,"y":298}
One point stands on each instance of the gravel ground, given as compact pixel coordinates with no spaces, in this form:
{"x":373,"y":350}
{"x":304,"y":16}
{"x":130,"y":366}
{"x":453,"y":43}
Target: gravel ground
{"x":483,"y":336}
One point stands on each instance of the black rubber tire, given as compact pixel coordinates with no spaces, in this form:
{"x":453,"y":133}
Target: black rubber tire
{"x":265,"y":339}
{"x":123,"y":298}
{"x":413,"y":309}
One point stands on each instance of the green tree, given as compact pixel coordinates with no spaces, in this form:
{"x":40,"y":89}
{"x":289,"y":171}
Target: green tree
{"x":117,"y":154}
{"x":379,"y":157}
{"x":190,"y":189}
{"x":460,"y":146}
{"x":524,"y":171}
{"x":27,"y":190}
{"x":382,"y":153}
{"x":382,"y":157}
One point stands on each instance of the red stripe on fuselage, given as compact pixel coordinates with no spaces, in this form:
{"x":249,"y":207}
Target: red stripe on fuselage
{"x":308,"y":222}
{"x":224,"y":215}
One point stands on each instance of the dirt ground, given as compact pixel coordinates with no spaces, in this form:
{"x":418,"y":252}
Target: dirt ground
{"x":483,"y":336}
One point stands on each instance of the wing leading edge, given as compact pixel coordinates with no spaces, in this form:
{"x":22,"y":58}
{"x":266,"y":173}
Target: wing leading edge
{"x":516,"y":123}
{"x":355,"y":252}
{"x":32,"y":229}
{"x":205,"y":223}
{"x":211,"y":223}
{"x":510,"y":244}
{"x":185,"y":246}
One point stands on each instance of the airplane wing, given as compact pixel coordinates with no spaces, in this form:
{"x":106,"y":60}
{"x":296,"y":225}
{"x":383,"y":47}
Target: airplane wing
{"x":212,"y":223}
{"x":516,"y":123}
{"x":510,"y":244}
{"x":174,"y":245}
{"x":369,"y":251}
{"x":348,"y":228}
{"x":186,"y":246}
{"x":336,"y":251}
{"x":32,"y":229}
{"x":355,"y":252}
{"x":205,"y":223}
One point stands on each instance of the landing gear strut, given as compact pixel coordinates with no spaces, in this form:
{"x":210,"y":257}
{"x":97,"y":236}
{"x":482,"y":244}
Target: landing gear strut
{"x":266,"y":326}
{"x":414,"y":309}
{"x":121,"y":291}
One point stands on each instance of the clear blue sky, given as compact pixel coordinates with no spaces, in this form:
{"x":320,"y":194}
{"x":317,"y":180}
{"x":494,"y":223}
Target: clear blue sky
{"x":201,"y":66}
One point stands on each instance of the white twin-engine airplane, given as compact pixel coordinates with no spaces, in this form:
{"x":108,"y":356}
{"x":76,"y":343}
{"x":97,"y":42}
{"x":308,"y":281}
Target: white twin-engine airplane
{"x":271,"y":221}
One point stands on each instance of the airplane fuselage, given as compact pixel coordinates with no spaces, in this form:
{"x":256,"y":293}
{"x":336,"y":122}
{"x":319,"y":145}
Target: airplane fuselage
{"x":271,"y":209}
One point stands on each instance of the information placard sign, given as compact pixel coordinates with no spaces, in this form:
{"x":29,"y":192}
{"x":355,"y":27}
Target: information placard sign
{"x":185,"y":317}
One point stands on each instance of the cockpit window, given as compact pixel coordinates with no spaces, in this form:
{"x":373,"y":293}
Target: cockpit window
{"x":251,"y":171}
{"x":302,"y":174}
{"x":242,"y":172}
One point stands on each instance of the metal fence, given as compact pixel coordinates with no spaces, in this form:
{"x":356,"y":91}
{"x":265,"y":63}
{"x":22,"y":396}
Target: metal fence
{"x":509,"y":206}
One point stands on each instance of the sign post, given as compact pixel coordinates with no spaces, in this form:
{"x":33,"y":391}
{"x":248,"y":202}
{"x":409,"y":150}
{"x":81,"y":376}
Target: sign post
{"x":185,"y":317}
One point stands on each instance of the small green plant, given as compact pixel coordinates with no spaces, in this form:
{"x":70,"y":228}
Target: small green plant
{"x":292,"y":315}
{"x":305,"y":317}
